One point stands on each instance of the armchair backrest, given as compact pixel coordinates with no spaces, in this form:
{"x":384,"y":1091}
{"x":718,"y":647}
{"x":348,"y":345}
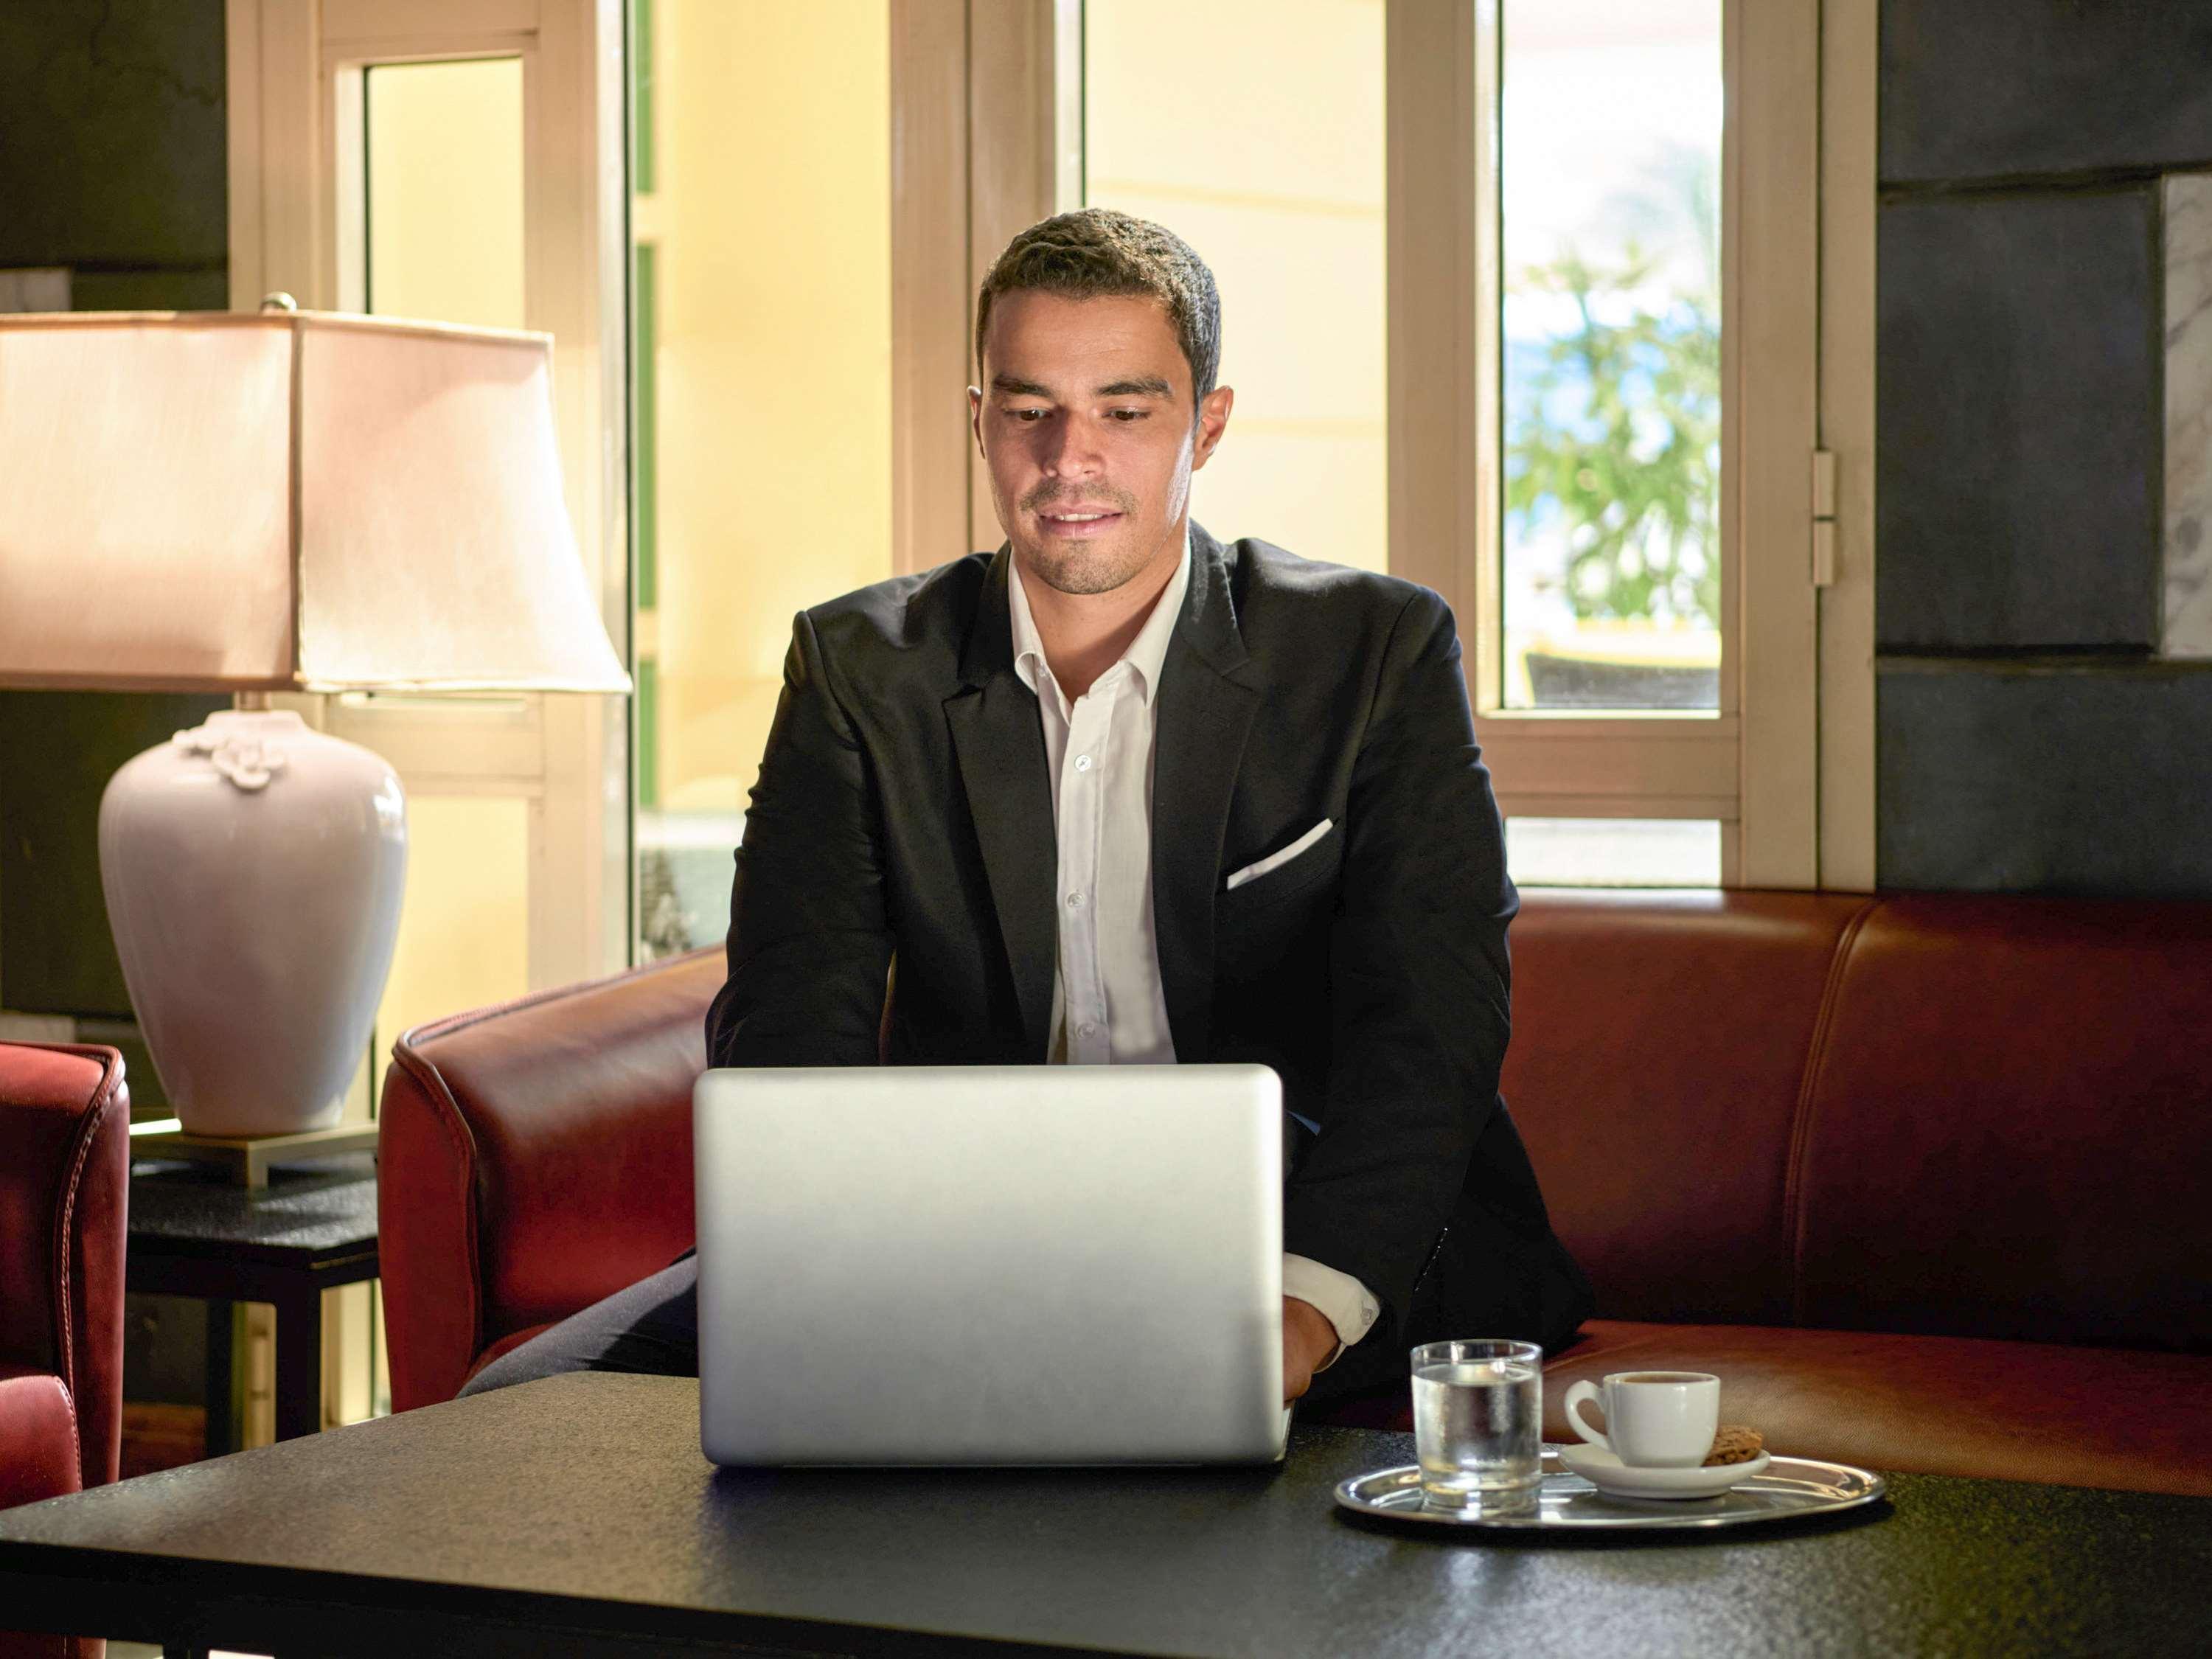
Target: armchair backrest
{"x":534,"y":1157}
{"x":64,"y":1204}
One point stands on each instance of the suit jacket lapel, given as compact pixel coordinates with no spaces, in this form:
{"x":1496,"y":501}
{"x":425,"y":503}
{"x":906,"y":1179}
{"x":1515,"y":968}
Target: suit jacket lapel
{"x":999,"y":745}
{"x":1204,"y":715}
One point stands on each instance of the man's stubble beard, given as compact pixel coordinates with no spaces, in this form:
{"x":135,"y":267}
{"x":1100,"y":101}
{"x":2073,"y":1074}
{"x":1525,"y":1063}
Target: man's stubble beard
{"x":1088,"y":567}
{"x":1084,"y":569}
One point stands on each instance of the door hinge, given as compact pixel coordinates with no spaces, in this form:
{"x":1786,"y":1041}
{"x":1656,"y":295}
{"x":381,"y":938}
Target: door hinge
{"x":1823,"y":518}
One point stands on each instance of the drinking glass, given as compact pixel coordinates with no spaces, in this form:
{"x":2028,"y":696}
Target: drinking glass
{"x":1478,"y":1421}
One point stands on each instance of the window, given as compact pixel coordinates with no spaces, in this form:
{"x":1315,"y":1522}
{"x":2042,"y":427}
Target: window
{"x":1603,"y":414}
{"x":1609,"y":164}
{"x":761,"y":213}
{"x":1486,"y":282}
{"x":440,"y":160}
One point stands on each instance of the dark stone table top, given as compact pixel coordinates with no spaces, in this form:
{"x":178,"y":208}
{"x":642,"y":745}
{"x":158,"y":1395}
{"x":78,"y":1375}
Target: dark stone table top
{"x":581,"y":1506}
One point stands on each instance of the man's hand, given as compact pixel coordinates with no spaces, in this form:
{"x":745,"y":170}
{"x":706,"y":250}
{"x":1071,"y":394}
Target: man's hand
{"x":1308,"y":1343}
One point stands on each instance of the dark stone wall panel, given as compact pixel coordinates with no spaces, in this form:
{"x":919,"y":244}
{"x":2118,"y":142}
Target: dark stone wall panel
{"x":1979,"y":88}
{"x":113,"y":148}
{"x":151,"y":290}
{"x":2089,"y":781}
{"x":58,"y":750}
{"x":2019,"y":424}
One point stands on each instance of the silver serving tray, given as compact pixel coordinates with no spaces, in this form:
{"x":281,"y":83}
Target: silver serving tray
{"x":1789,"y":1487}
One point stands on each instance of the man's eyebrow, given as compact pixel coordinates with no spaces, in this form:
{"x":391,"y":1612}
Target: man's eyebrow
{"x":1149,"y":386}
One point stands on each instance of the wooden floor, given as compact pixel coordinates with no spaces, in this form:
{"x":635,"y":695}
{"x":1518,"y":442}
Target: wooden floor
{"x":161,"y":1438}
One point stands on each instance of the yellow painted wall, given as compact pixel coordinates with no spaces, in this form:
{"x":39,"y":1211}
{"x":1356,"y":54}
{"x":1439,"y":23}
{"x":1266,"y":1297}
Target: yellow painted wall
{"x":1252,"y":129}
{"x":772,"y":210}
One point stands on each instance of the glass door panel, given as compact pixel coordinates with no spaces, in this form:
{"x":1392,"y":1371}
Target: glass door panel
{"x":1610,"y":157}
{"x":762,"y":306}
{"x":1544,"y":852}
{"x":444,"y":190}
{"x":464,"y":919}
{"x":1275,"y":175}
{"x":442,"y":154}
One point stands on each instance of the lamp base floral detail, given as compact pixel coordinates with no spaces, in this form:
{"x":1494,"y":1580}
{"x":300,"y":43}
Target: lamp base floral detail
{"x":248,"y":762}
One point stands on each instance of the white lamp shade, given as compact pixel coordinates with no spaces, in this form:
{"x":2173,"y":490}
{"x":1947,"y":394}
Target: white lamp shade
{"x":291,"y":501}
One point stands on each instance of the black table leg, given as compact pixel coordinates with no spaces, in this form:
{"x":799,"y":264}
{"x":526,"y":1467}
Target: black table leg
{"x":299,"y":1364}
{"x":222,"y":1400}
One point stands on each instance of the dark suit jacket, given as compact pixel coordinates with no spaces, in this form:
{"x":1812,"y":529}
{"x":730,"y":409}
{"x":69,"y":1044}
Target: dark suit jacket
{"x":903,"y":816}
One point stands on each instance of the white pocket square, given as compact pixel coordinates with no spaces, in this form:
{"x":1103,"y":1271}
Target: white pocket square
{"x":1277,"y":860}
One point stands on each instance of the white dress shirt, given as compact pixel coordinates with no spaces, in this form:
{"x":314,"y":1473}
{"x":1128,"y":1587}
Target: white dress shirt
{"x":1109,"y":1006}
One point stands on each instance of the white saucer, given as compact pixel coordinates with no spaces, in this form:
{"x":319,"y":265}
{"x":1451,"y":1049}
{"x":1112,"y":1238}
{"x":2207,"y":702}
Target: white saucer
{"x":1605,"y":1471}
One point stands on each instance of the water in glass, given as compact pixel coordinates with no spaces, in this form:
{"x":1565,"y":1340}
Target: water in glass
{"x":1476,"y":1425}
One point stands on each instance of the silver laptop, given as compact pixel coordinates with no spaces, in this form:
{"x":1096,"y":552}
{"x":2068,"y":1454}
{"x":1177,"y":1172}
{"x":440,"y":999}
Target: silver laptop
{"x":1016,"y":1264}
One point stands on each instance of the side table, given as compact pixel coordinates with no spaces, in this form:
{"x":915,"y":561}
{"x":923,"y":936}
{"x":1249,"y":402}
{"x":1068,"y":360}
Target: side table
{"x":310,"y":1230}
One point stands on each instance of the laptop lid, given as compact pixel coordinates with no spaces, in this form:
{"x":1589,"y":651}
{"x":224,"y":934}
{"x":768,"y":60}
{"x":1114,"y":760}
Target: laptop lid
{"x":990,"y":1265}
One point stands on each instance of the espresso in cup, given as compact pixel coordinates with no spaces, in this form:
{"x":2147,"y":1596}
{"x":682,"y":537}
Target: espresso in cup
{"x":1653,"y":1420}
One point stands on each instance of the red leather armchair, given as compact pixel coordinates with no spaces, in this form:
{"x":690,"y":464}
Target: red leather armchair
{"x":533,"y":1158}
{"x":65,"y":1192}
{"x":1923,"y":1177}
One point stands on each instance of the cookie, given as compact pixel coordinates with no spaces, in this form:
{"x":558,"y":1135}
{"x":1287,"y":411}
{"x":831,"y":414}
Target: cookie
{"x":1734,"y":1444}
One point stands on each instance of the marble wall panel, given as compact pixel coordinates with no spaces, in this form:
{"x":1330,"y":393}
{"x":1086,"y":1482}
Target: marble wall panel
{"x":2089,"y":779}
{"x":35,"y":288}
{"x":1982,"y":88}
{"x":2017,"y":421}
{"x":2187,"y":626}
{"x":58,"y":750}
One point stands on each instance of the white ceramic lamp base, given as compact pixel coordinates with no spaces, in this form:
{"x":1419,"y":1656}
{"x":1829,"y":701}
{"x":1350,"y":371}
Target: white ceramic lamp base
{"x":253,"y":869}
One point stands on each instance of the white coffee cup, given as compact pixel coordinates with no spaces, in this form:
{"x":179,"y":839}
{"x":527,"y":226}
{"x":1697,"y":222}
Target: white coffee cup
{"x":1654,"y":1420}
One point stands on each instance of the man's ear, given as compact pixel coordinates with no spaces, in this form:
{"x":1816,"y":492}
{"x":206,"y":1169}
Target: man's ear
{"x":976,"y":415}
{"x":1212,"y":421}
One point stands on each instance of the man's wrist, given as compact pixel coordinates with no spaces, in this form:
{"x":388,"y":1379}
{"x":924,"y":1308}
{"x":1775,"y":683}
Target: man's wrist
{"x":1346,"y":1303}
{"x":1315,"y":1333}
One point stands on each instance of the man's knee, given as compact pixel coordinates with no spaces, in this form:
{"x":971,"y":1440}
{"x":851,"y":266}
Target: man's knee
{"x":544,"y":1355}
{"x":652,"y":1327}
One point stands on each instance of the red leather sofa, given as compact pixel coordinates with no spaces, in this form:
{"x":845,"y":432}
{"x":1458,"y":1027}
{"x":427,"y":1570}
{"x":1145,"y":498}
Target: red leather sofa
{"x":65,"y":1193}
{"x":1927,"y":1179}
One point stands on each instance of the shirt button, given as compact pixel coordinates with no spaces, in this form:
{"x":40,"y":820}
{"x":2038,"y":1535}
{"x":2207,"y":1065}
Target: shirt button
{"x":1090,"y":1030}
{"x":1075,"y":901}
{"x":1083,"y":763}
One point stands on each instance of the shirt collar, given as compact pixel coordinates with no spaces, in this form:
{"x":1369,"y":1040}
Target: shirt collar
{"x":1147,"y":653}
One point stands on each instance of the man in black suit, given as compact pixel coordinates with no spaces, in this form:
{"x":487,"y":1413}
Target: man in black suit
{"x":1120,"y":793}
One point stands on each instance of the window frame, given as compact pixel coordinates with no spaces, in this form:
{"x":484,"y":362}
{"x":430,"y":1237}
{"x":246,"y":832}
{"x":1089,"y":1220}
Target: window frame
{"x":986,"y":138}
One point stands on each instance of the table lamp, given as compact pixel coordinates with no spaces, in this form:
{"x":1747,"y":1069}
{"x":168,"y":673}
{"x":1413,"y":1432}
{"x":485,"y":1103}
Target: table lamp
{"x":291,"y":501}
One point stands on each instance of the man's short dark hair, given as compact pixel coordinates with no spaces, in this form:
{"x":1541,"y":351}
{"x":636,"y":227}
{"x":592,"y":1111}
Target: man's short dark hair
{"x":1095,"y":252}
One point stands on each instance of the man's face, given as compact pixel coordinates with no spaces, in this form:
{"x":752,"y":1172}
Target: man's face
{"x":1085,"y":421}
